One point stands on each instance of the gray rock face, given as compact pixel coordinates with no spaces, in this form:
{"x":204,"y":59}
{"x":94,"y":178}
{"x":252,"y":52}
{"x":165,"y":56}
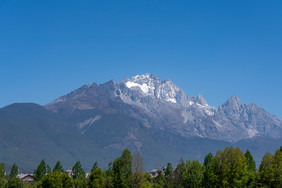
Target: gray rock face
{"x":160,"y":104}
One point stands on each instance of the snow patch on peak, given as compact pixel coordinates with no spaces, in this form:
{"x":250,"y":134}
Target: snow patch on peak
{"x":207,"y":109}
{"x":144,"y":77}
{"x":144,"y":87}
{"x":173,"y":100}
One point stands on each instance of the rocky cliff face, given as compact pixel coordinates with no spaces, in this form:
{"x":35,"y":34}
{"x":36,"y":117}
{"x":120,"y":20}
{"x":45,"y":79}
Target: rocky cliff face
{"x":160,"y":104}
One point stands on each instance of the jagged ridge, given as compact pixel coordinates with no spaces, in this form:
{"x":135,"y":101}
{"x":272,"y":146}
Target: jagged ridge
{"x":163,"y":105}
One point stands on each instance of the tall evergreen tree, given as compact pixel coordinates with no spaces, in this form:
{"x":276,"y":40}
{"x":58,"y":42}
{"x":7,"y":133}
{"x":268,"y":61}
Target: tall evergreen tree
{"x":178,"y":174}
{"x":40,"y":172}
{"x":78,"y":171}
{"x":168,"y":174}
{"x":14,"y":171}
{"x":109,"y":176}
{"x":3,"y":179}
{"x":57,"y":179}
{"x":277,"y":165}
{"x":194,"y":174}
{"x":15,"y":183}
{"x":122,"y":169}
{"x":96,"y":179}
{"x":251,"y":169}
{"x":250,"y":161}
{"x":2,"y":170}
{"x":94,"y":166}
{"x":208,"y":171}
{"x":266,"y":171}
{"x":230,"y":168}
{"x":48,"y":169}
{"x":159,"y":180}
{"x":58,"y":167}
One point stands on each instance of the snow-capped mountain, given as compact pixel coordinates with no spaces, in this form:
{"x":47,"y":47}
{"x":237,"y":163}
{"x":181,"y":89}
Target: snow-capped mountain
{"x":160,"y":104}
{"x":145,"y":114}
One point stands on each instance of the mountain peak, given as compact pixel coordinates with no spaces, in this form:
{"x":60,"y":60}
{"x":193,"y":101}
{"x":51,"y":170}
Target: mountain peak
{"x":161,"y":103}
{"x":144,"y":78}
{"x":151,"y":85}
{"x":232,"y":107}
{"x":200,"y":99}
{"x":234,"y":100}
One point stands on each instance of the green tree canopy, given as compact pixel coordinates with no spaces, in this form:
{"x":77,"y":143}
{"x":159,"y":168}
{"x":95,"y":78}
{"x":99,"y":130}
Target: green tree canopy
{"x":3,"y":179}
{"x":194,"y":174}
{"x":2,"y":170}
{"x":208,"y":171}
{"x":15,"y":182}
{"x":94,"y":166}
{"x":122,"y":169}
{"x":159,"y":180}
{"x":14,"y":171}
{"x":57,"y":179}
{"x":40,"y":171}
{"x":168,"y":174}
{"x":96,"y":179}
{"x":48,"y":169}
{"x":250,"y":161}
{"x":278,"y":168}
{"x":251,"y":169}
{"x":230,"y":168}
{"x":270,"y":170}
{"x":78,"y":171}
{"x":178,"y":173}
{"x":266,"y":170}
{"x":58,"y":167}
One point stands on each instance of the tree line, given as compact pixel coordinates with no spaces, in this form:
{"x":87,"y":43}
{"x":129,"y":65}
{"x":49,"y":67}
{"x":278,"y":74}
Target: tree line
{"x":228,"y":168}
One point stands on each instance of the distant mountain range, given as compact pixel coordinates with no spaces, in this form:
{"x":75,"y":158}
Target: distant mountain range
{"x":145,"y":114}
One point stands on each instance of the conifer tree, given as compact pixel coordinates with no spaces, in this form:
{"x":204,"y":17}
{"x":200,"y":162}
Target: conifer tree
{"x":94,"y":166}
{"x":266,"y":171}
{"x":96,"y":178}
{"x":40,"y":172}
{"x":277,"y":165}
{"x":251,"y":169}
{"x":78,"y":171}
{"x":2,"y":170}
{"x":159,"y":180}
{"x":48,"y":169}
{"x":178,"y":173}
{"x":58,"y":167}
{"x":168,"y":174}
{"x":122,"y":169}
{"x":208,"y":171}
{"x":14,"y":171}
{"x":230,"y":168}
{"x":193,"y":174}
{"x":250,"y":161}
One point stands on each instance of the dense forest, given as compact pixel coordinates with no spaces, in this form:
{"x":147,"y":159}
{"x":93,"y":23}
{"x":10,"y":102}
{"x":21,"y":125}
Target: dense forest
{"x":229,"y":168}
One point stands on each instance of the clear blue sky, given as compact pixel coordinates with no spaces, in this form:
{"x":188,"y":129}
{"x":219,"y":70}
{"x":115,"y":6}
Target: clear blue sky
{"x":215,"y":48}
